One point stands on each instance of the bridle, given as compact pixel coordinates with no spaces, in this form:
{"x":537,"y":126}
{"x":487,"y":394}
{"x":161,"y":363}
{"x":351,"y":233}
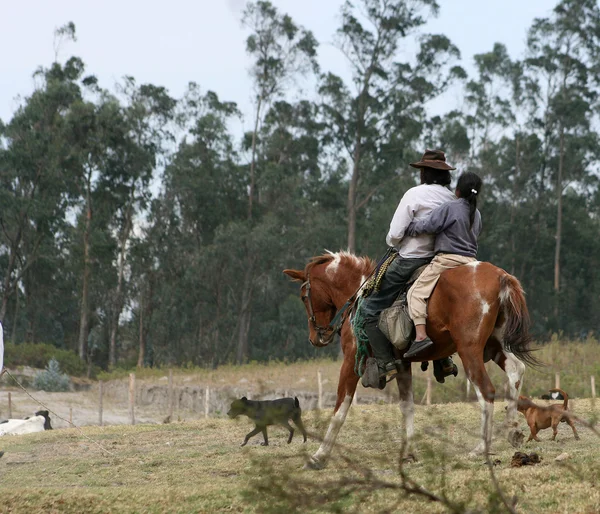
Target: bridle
{"x":335,"y":325}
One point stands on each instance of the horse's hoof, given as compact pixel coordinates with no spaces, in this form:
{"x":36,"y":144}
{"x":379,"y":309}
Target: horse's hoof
{"x":408,"y":458}
{"x":314,"y":464}
{"x":516,"y":437}
{"x":478,"y":450}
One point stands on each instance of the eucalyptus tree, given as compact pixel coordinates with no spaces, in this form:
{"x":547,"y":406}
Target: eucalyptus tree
{"x":378,"y":123}
{"x":564,"y":74}
{"x":282,"y":51}
{"x":34,"y":162}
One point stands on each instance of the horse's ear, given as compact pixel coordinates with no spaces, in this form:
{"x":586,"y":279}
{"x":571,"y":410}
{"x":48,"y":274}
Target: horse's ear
{"x":295,"y":274}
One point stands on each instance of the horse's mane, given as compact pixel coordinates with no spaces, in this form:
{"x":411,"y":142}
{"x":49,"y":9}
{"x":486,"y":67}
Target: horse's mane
{"x":365,"y":264}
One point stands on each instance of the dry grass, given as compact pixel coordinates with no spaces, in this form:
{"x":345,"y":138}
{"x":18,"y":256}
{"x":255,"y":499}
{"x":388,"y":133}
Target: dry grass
{"x":199,"y":467}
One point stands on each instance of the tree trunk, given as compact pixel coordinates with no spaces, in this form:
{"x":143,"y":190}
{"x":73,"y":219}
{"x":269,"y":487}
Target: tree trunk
{"x":13,"y":337}
{"x":118,"y":301}
{"x":352,"y":193}
{"x":9,"y":269}
{"x":513,"y":208}
{"x":84,"y":314}
{"x":244,"y":319}
{"x":142,"y":339}
{"x":251,"y":192}
{"x":559,"y":194}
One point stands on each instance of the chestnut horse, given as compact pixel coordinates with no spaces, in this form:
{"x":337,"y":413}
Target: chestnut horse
{"x":477,"y":310}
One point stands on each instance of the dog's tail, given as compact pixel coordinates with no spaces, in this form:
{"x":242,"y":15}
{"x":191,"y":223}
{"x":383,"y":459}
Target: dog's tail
{"x":565,"y":396}
{"x":296,"y":402}
{"x":516,"y":337}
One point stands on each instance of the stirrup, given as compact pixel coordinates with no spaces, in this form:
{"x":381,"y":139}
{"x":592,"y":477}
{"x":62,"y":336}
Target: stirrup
{"x":440,"y":371}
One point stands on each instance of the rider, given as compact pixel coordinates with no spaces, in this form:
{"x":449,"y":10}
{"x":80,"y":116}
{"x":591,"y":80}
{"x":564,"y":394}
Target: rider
{"x":413,"y":252}
{"x":457,"y":225}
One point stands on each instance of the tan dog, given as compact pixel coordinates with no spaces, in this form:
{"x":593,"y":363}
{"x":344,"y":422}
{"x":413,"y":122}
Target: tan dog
{"x":540,"y":417}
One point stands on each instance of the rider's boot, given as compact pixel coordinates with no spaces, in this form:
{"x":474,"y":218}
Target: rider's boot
{"x":444,"y":368}
{"x":384,"y":362}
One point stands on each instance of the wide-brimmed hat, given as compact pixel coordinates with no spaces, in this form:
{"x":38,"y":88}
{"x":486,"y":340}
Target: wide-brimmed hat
{"x":435,"y":159}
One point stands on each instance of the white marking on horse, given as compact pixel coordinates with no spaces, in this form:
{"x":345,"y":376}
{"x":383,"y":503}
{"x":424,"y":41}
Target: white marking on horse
{"x":485,"y":308}
{"x":473,"y":264}
{"x":515,"y":370}
{"x":487,"y":417}
{"x":333,"y":266}
{"x":324,"y":451}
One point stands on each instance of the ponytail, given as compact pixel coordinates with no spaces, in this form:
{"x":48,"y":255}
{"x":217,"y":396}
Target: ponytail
{"x":469,"y":186}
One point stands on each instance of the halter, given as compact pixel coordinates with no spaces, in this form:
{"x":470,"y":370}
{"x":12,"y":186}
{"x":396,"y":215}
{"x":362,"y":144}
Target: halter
{"x":335,"y":325}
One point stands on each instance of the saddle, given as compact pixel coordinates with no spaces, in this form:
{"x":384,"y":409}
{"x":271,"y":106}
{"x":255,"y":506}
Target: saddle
{"x":395,"y":322}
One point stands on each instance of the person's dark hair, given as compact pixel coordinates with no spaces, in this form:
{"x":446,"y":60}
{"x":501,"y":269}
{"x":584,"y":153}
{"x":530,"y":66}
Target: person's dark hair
{"x":469,"y":187}
{"x":433,"y":176}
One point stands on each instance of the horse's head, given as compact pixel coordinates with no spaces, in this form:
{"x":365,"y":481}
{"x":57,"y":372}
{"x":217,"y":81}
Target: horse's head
{"x":318,"y":302}
{"x":327,"y":282}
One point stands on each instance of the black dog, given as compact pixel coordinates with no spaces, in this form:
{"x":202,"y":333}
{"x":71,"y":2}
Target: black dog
{"x":269,"y":412}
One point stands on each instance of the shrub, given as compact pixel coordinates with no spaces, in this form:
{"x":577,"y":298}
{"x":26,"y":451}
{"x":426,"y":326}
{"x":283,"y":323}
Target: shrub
{"x":37,"y":355}
{"x":51,"y":379}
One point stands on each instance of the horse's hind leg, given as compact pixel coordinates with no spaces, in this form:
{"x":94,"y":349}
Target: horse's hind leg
{"x":514,"y":370}
{"x":346,"y":388}
{"x":477,"y":374}
{"x":407,"y":404}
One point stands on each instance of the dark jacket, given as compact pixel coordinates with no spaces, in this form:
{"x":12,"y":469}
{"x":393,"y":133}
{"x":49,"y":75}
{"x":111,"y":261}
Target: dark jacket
{"x":452,"y":226}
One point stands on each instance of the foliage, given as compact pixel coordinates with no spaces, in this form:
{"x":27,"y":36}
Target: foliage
{"x":51,"y":379}
{"x":37,"y":355}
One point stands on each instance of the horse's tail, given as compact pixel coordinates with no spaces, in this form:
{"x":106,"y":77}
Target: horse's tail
{"x":516,"y":337}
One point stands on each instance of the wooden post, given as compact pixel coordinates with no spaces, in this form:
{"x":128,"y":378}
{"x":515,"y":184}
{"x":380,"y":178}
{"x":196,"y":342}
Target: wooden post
{"x":132,"y":397}
{"x":428,"y":393}
{"x":71,"y":416}
{"x":170,"y":394}
{"x":206,"y":401}
{"x":557,"y":380}
{"x":100,"y":402}
{"x":9,"y":406}
{"x":320,"y":384}
{"x":593,"y":384}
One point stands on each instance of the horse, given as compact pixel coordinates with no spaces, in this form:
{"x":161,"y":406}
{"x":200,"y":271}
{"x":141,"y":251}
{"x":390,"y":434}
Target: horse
{"x":476,"y":310}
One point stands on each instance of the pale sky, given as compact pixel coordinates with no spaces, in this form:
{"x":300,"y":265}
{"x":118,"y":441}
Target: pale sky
{"x":172,"y":43}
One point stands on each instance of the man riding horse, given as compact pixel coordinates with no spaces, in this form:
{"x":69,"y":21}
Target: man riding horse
{"x":413,"y":252}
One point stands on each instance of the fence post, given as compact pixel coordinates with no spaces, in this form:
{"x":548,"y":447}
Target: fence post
{"x":206,"y":401}
{"x":170,"y":393}
{"x":320,"y":383}
{"x":100,"y":402}
{"x":132,"y":397}
{"x":557,"y":380}
{"x":9,"y":406}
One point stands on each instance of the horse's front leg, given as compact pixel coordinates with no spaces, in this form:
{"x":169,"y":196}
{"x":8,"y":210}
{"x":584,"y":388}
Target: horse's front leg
{"x":407,"y":403}
{"x":346,"y":388}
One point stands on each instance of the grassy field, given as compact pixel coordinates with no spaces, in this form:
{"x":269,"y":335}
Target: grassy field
{"x":199,"y":467}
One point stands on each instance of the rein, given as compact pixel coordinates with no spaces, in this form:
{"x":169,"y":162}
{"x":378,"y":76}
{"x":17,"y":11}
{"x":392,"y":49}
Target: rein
{"x":335,"y":325}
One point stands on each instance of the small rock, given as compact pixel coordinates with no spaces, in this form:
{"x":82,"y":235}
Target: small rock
{"x":562,"y":456}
